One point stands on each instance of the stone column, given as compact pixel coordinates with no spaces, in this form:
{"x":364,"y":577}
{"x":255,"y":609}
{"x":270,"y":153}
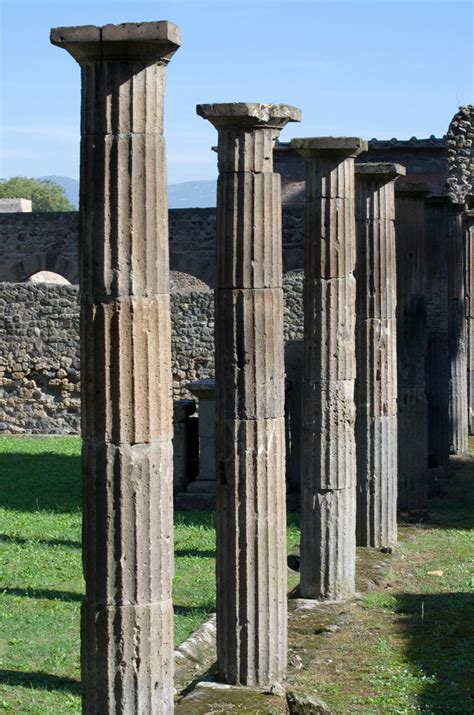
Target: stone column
{"x":250,"y":382}
{"x":127,"y":408}
{"x":205,"y":391}
{"x":411,"y":346}
{"x":437,"y":361}
{"x":294,"y":412}
{"x":376,"y":353}
{"x":458,"y":414}
{"x":328,"y":455}
{"x":469,"y":284}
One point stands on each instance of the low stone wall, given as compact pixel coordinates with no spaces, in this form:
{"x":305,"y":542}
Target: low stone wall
{"x":39,"y":350}
{"x":39,"y":358}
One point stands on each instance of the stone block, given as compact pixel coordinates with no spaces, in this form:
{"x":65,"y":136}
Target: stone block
{"x":328,"y":440}
{"x":143,"y":41}
{"x":328,"y":540}
{"x":250,"y":370}
{"x":127,"y":658}
{"x":126,"y":370}
{"x":249,"y":253}
{"x":124,"y":222}
{"x":329,"y":349}
{"x":377,"y":469}
{"x":128,"y":522}
{"x":330,"y":253}
{"x":251,"y":515}
{"x":376,"y":383}
{"x":15,"y":206}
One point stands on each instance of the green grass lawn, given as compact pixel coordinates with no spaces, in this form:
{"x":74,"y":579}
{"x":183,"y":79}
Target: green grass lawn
{"x":41,"y":581}
{"x":408,"y":648}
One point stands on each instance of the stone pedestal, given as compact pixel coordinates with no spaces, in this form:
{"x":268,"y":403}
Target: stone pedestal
{"x":457,"y":347}
{"x":205,"y":391}
{"x":328,"y":458}
{"x":438,"y":210}
{"x":411,"y":346}
{"x":376,"y":352}
{"x":469,"y":285}
{"x":251,"y":514}
{"x":127,"y":408}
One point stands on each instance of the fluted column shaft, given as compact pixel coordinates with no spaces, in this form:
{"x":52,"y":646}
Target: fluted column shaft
{"x":251,"y":511}
{"x":411,"y":347}
{"x":127,"y":468}
{"x":469,"y":287}
{"x":458,"y":413}
{"x":437,"y":357}
{"x":328,"y":455}
{"x":376,"y":353}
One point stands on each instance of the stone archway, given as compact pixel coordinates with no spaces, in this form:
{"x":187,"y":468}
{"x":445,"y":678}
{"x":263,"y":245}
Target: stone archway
{"x":31,"y":265}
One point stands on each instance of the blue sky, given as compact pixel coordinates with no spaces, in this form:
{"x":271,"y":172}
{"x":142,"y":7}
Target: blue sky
{"x":372,"y":69}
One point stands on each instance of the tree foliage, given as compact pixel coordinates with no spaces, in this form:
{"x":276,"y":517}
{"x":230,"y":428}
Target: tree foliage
{"x":45,"y":195}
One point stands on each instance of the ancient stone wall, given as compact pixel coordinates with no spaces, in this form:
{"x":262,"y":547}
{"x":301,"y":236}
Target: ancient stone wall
{"x":39,"y":358}
{"x":39,"y":349}
{"x":49,"y":241}
{"x":459,"y":140}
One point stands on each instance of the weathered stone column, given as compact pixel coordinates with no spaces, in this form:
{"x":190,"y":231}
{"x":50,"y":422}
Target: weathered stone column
{"x":127,"y":408}
{"x":411,"y":346}
{"x":469,"y":284}
{"x":250,"y":383}
{"x":437,"y":359}
{"x":376,"y":352}
{"x":458,"y":414}
{"x":328,"y":455}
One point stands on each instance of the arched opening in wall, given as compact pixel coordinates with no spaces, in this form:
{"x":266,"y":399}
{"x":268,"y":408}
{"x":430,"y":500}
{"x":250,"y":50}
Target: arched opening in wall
{"x":44,"y":263}
{"x":48,"y":277}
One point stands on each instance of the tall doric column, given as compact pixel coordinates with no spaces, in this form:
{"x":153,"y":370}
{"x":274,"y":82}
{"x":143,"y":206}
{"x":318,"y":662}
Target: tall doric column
{"x":376,"y":352}
{"x":469,"y":283}
{"x":328,"y":455}
{"x":127,"y":463}
{"x":458,"y":414}
{"x":438,"y":210}
{"x":411,"y":346}
{"x":251,"y":514}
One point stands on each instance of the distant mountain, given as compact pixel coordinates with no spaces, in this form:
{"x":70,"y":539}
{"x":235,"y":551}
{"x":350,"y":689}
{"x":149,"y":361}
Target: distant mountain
{"x":70,"y":186}
{"x":192,"y":194}
{"x":189,"y":194}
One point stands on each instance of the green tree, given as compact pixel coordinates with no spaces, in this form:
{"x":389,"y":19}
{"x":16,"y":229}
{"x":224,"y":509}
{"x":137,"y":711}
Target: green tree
{"x":45,"y":195}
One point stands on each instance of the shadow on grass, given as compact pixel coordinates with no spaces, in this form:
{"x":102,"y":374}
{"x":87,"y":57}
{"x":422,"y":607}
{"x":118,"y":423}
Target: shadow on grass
{"x":439,"y":631}
{"x":455,"y":510}
{"x":43,"y":593}
{"x":21,"y":541}
{"x":40,"y":681}
{"x":42,"y":481}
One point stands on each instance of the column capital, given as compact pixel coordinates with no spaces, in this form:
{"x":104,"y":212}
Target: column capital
{"x":248,"y":115}
{"x":329,"y":147}
{"x":379,"y":171}
{"x":131,"y":41}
